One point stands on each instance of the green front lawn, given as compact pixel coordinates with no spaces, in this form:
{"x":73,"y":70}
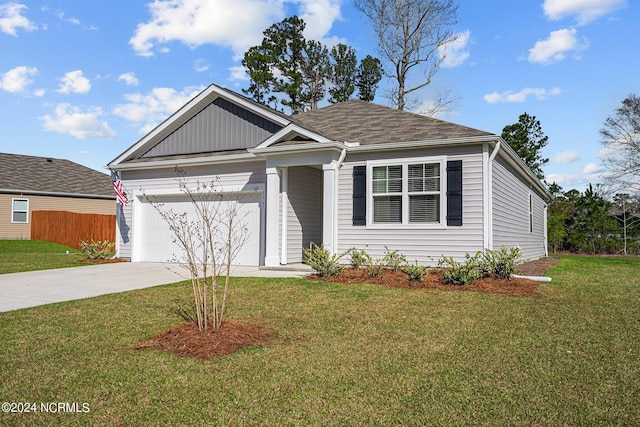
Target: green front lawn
{"x":31,"y":255}
{"x":345,"y":355}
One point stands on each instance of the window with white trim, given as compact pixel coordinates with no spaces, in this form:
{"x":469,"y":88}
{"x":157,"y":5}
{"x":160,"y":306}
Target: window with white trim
{"x":406,"y":192}
{"x":530,"y":213}
{"x":20,"y":211}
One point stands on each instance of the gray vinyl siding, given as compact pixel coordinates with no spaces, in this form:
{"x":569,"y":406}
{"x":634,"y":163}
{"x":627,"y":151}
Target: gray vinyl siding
{"x":424,"y":245}
{"x":241,"y":177}
{"x":304,"y":210}
{"x":511,"y":213}
{"x":221,"y":126}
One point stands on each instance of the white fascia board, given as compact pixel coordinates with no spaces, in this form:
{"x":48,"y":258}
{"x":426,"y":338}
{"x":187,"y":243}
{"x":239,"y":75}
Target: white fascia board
{"x":196,"y":161}
{"x":210,"y":92}
{"x":298,"y":148}
{"x":291,"y":128}
{"x":422,"y":144}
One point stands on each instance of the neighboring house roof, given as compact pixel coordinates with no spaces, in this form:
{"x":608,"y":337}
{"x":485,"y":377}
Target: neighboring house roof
{"x":368,"y":123}
{"x":22,"y":174}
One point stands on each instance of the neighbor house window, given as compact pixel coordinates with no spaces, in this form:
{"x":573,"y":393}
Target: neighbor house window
{"x":20,"y":210}
{"x":408,"y":192}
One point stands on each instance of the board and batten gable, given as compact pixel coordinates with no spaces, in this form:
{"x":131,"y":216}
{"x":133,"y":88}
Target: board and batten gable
{"x":220,"y":126}
{"x":512,"y":214}
{"x":426,"y":245}
{"x":144,"y":183}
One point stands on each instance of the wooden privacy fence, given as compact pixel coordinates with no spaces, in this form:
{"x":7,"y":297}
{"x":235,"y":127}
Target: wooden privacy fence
{"x":71,"y":228}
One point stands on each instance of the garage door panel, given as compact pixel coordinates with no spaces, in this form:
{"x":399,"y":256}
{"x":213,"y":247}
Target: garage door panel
{"x":155,"y":240}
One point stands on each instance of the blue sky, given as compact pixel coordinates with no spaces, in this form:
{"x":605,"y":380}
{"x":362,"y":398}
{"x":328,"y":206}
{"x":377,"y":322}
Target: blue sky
{"x":84,"y":80}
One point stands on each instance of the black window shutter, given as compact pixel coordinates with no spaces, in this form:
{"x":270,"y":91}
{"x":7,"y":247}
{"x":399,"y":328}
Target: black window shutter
{"x":359,"y":195}
{"x":454,"y":192}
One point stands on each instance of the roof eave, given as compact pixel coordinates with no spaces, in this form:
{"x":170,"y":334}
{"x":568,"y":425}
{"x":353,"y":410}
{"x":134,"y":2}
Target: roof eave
{"x":196,"y":161}
{"x":55,"y":194}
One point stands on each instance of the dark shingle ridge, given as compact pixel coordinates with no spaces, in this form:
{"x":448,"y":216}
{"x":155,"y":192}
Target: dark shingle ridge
{"x":51,"y":175}
{"x":368,"y":123}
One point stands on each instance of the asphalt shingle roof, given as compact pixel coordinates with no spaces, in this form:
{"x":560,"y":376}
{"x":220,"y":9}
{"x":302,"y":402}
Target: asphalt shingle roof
{"x":367,"y":123}
{"x":50,"y":175}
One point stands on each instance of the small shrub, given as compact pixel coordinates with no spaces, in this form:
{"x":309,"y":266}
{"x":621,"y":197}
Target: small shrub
{"x":502,"y":264}
{"x":97,"y":250}
{"x":393,"y":259}
{"x":415,"y":271}
{"x":358,"y":258}
{"x":462,"y":273}
{"x":322,"y":261}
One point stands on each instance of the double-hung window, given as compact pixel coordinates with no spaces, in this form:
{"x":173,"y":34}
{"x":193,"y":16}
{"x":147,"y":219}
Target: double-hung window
{"x":406,"y":192}
{"x":20,"y":210}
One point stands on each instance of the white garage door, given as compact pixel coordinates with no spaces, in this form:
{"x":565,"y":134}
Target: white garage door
{"x":154,"y":241}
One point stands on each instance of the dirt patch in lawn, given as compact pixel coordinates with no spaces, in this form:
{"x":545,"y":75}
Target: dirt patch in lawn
{"x":436,"y":280}
{"x":187,"y":340}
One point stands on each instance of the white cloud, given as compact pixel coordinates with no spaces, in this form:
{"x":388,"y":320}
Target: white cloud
{"x":201,"y":65}
{"x":238,"y":74}
{"x":593,"y":168}
{"x":237,"y":24}
{"x":456,"y":53}
{"x":74,"y":82}
{"x":584,"y":11}
{"x":591,"y":173}
{"x":151,"y":108}
{"x":17,"y":79}
{"x":129,"y":79}
{"x":568,"y":156}
{"x":319,"y":16}
{"x":556,"y":47}
{"x":61,"y":17}
{"x":67,"y":119}
{"x":11,"y":19}
{"x":539,"y":93}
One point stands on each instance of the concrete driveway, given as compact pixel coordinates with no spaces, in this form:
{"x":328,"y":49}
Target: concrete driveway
{"x":29,"y":289}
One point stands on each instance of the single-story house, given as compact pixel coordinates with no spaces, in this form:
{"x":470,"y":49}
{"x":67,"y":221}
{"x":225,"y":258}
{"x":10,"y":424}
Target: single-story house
{"x":31,"y":183}
{"x":352,"y":174}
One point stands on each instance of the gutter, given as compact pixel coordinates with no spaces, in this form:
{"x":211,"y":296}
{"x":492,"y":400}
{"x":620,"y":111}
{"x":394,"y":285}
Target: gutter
{"x":199,"y":161}
{"x":55,"y":194}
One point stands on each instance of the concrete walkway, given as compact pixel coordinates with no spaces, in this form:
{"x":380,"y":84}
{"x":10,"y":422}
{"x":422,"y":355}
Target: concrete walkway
{"x":29,"y":289}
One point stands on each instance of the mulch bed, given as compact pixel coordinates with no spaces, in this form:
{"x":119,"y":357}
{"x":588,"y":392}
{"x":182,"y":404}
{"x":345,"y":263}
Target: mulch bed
{"x":435,"y":280}
{"x":187,"y":340}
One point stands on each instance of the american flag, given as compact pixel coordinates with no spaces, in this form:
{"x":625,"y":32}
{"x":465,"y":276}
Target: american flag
{"x":117,"y":185}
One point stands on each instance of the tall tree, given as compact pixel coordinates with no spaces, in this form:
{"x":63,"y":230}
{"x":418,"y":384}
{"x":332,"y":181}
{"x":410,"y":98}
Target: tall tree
{"x":621,"y":136}
{"x":343,"y":73}
{"x":368,"y":76}
{"x":527,"y":139}
{"x":316,"y":70}
{"x":296,"y":73}
{"x":276,"y":65}
{"x":410,"y":36}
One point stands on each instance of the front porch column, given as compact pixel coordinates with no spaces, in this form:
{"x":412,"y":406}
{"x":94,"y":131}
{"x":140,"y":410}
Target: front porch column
{"x":272,"y":233}
{"x":330,"y":206}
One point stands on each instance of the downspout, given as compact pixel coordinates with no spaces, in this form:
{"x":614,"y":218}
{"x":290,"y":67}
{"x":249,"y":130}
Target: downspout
{"x":335,"y":200}
{"x":488,"y":221}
